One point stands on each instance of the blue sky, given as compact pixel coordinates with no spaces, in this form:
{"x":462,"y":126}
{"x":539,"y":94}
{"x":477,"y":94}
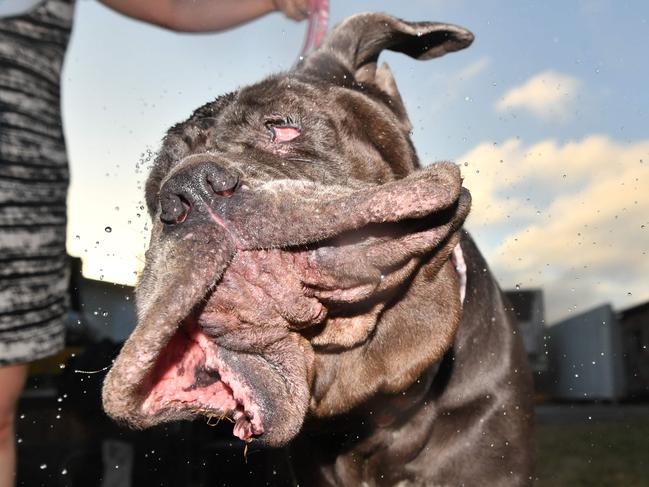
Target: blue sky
{"x":547,"y":112}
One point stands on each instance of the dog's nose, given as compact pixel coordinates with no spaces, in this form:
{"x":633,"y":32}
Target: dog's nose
{"x":202,"y":181}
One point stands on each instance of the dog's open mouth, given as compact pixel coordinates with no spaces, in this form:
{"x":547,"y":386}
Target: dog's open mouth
{"x":221,"y":352}
{"x":190,"y":377}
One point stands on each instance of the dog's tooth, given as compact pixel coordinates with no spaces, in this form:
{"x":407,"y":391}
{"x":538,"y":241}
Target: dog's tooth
{"x":242,"y":428}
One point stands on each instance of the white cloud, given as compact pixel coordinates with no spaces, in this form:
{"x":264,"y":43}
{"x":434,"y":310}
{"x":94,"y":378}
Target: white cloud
{"x":474,"y":68}
{"x":573,"y":218}
{"x":548,"y":95}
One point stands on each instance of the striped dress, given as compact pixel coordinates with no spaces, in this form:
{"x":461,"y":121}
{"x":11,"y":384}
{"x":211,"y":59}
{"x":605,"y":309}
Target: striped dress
{"x":33,"y":183}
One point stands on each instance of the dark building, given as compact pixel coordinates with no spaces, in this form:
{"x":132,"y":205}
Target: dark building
{"x":527,"y":306}
{"x":587,"y":357}
{"x":600,"y":354}
{"x":634,"y":324}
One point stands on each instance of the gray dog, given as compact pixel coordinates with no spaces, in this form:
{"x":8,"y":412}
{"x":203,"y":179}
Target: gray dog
{"x":310,"y":281}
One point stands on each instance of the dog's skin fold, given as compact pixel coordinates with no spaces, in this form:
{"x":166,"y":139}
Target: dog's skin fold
{"x":299,"y":281}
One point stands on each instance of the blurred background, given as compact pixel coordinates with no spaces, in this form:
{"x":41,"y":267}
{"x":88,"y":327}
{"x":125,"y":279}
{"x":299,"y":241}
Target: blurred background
{"x":547,"y":114}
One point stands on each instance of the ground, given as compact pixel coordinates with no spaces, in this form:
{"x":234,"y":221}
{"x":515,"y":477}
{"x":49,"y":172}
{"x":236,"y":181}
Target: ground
{"x":66,"y":441}
{"x":593,"y":445}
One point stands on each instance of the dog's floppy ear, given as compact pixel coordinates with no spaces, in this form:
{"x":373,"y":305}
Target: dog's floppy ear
{"x":356,"y":43}
{"x":354,"y":46}
{"x":414,"y":333}
{"x":370,"y":270}
{"x":298,"y":213}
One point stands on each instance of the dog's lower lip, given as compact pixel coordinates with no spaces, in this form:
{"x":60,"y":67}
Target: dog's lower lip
{"x":190,"y":375}
{"x":237,"y":415}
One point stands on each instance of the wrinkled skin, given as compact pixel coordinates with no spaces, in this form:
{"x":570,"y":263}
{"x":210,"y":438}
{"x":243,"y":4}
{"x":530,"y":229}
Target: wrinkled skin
{"x":300,"y":270}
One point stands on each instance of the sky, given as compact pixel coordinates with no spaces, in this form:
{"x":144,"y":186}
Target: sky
{"x":547,"y":113}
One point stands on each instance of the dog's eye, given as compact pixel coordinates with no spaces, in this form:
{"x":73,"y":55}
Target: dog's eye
{"x":284,"y":134}
{"x":282,"y":131}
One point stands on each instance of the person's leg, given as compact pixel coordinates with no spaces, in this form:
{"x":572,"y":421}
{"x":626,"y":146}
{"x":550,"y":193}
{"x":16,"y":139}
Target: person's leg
{"x":12,"y":380}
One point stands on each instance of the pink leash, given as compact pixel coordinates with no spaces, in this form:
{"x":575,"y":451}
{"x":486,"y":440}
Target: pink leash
{"x":317,"y":26}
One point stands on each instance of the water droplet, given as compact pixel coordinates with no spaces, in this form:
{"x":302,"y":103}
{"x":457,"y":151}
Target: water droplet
{"x":108,"y":229}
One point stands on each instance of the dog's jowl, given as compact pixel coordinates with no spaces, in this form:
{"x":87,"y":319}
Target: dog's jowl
{"x":310,"y":280}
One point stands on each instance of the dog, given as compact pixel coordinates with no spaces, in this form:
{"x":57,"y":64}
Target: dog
{"x":309,"y":280}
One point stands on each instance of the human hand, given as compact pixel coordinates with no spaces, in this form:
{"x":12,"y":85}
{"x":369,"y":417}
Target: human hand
{"x":293,"y":9}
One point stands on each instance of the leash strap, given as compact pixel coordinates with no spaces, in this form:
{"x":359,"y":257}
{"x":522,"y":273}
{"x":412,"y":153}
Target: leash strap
{"x":317,"y":26}
{"x":457,"y":258}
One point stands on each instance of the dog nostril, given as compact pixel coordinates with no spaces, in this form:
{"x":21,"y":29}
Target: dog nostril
{"x":223,"y":185}
{"x":175,"y":209}
{"x":226,"y":193}
{"x":194,"y":187}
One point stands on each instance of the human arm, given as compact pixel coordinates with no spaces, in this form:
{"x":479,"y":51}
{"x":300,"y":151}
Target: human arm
{"x":205,"y":15}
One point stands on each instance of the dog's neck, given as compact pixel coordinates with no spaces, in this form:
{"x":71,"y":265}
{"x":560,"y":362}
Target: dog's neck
{"x":373,"y":445}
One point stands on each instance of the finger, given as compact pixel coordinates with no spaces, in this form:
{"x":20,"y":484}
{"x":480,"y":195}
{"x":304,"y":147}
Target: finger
{"x":293,"y":9}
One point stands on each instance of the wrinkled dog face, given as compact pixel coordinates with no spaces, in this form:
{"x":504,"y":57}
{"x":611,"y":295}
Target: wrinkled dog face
{"x":287,"y":217}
